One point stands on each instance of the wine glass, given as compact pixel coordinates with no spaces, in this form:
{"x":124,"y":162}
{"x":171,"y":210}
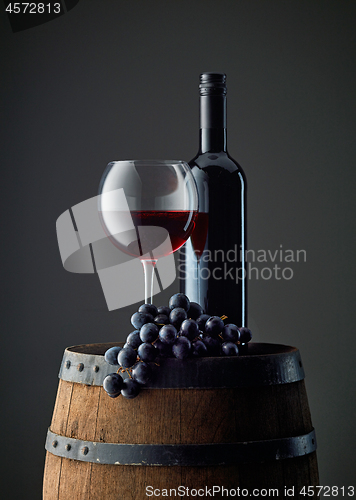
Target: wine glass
{"x":148,"y":209}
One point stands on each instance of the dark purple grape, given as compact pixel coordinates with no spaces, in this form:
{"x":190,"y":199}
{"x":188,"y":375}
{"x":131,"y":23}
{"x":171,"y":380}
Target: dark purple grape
{"x":213,"y":345}
{"x":230,"y":333}
{"x":164,"y":349}
{"x":202,"y":320}
{"x":199,"y":349}
{"x":130,"y":388}
{"x":177,"y":316}
{"x":149,"y":332}
{"x":179,"y":300}
{"x":111,"y":355}
{"x":148,"y":309}
{"x":127,"y":357}
{"x":162,"y":319}
{"x":164,"y":310}
{"x":146,"y":352}
{"x":142,"y":373}
{"x":195,"y":310}
{"x":230,"y":349}
{"x":139,"y":319}
{"x":114,"y":395}
{"x":245,"y":335}
{"x":113,"y":383}
{"x":133,"y":339}
{"x":168,"y":334}
{"x":189,"y":328}
{"x":214,"y":326}
{"x":181,"y":348}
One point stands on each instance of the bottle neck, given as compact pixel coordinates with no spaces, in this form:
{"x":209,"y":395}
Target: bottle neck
{"x":212,"y":140}
{"x":212,"y":123}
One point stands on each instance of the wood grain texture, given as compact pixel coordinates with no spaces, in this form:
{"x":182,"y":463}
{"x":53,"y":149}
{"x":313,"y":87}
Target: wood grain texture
{"x":151,"y":418}
{"x":177,"y":416}
{"x":61,"y":407}
{"x":52,"y":474}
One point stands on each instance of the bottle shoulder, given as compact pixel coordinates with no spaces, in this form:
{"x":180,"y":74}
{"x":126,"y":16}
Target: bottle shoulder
{"x":221,"y":160}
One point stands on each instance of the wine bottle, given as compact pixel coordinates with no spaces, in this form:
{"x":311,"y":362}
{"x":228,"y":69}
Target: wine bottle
{"x":212,"y":262}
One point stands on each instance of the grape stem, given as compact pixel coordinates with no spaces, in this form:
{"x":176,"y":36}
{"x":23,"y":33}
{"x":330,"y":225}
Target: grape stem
{"x":127,"y":370}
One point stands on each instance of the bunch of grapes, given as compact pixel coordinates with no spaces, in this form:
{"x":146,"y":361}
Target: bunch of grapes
{"x":180,"y":330}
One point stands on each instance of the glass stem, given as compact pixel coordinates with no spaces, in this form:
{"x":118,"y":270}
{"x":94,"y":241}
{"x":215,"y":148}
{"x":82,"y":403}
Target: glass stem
{"x":149,"y":273}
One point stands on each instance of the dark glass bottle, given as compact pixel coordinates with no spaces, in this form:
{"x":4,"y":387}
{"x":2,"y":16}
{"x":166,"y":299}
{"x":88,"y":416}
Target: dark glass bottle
{"x":212,"y":262}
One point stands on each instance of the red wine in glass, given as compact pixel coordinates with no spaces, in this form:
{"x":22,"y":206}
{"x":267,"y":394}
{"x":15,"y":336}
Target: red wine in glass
{"x":158,"y":232}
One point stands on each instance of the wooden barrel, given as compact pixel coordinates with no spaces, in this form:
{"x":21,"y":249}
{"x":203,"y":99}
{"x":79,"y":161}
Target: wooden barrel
{"x":219,"y":427}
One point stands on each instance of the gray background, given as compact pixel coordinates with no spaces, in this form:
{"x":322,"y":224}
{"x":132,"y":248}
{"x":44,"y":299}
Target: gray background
{"x":113,"y":80}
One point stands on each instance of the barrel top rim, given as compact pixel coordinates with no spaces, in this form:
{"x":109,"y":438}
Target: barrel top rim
{"x":265,"y":364}
{"x":267,"y":349}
